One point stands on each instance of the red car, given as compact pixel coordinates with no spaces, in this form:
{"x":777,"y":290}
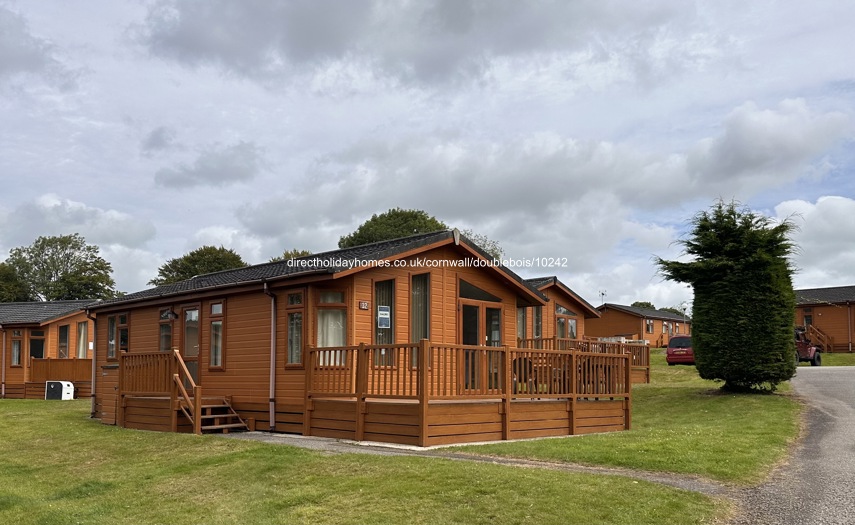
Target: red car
{"x":679,"y":351}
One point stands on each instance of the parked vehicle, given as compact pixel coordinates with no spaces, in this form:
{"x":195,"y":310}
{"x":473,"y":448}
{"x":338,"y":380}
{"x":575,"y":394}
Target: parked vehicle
{"x":680,"y":351}
{"x":806,"y":350}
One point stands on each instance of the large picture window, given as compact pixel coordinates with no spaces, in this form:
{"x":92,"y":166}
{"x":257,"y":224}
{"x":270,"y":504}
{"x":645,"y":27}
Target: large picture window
{"x":331,"y":325}
{"x":565,"y":322}
{"x":384,"y":326}
{"x":82,"y":339}
{"x":216,"y":355}
{"x":165,"y":329}
{"x":294,"y":341}
{"x":118,"y":336}
{"x":62,"y":350}
{"x":17,"y":344}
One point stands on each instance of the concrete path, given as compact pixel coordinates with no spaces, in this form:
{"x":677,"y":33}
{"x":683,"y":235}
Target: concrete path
{"x":817,"y":485}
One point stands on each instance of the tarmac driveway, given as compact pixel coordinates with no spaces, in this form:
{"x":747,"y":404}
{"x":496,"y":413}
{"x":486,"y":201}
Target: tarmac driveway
{"x":817,"y":486}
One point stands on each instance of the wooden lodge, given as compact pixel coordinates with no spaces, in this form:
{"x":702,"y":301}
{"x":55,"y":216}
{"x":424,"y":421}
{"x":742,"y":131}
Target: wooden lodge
{"x":564,"y":318}
{"x":411,"y":341}
{"x":654,"y":327}
{"x":828,"y":316}
{"x":45,"y":341}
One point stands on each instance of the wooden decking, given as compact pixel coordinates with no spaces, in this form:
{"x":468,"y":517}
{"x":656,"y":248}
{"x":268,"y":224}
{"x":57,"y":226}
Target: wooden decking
{"x":420,"y":394}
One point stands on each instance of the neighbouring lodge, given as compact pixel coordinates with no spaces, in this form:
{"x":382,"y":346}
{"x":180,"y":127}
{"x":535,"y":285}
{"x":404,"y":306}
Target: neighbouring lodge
{"x":828,"y":316}
{"x":417,"y":340}
{"x":43,"y":341}
{"x":654,"y":327}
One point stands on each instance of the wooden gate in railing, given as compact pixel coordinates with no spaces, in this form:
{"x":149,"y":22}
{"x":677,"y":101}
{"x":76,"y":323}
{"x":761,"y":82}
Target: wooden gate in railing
{"x":160,"y":374}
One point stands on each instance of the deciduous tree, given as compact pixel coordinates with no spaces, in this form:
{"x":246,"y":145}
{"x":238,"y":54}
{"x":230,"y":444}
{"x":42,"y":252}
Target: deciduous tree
{"x":290,"y":254}
{"x":12,"y":288}
{"x":63,"y":267}
{"x":392,"y":224}
{"x":206,"y":259}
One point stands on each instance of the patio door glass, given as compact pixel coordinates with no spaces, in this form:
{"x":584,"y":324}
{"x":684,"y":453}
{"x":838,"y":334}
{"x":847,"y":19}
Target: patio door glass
{"x":190,"y":346}
{"x":478,"y":318}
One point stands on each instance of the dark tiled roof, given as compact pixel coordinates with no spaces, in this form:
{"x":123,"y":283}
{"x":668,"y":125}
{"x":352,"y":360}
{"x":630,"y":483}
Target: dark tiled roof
{"x":39,"y":312}
{"x":540,"y":283}
{"x":645,"y":312}
{"x":328,"y":262}
{"x":833,"y":295}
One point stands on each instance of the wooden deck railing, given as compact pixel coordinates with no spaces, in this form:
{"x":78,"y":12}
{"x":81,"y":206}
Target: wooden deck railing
{"x":640,"y":353}
{"x":820,"y":338}
{"x":160,"y":374}
{"x":61,"y":370}
{"x":465,"y":372}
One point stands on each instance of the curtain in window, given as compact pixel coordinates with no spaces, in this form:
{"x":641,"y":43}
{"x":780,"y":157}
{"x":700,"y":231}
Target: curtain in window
{"x":420,"y":307}
{"x":82,"y":340}
{"x":331,"y":332}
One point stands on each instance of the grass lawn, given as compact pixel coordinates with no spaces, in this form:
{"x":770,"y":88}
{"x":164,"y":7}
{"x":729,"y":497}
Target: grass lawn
{"x":59,"y":467}
{"x":682,"y":424}
{"x":839,"y":359}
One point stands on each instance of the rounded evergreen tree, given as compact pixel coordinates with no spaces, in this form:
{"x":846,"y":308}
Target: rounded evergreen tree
{"x":742,"y":329}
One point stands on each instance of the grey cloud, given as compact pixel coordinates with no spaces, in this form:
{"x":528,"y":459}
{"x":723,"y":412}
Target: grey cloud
{"x":53,"y":215}
{"x":758,"y":146}
{"x":159,"y":139}
{"x":426,"y":42}
{"x":240,"y":162}
{"x":19,"y":50}
{"x":545,"y":176}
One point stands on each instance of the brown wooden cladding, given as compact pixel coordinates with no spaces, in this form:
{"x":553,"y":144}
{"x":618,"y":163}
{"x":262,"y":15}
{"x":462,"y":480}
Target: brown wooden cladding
{"x":144,"y":413}
{"x":36,"y":390}
{"x":836,"y":320}
{"x":467,"y":422}
{"x":614,"y":323}
{"x":17,"y":376}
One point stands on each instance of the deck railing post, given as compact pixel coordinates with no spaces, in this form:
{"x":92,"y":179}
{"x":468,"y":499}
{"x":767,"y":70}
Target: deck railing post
{"x":362,"y":360}
{"x":120,"y":401}
{"x":173,"y":390}
{"x":311,"y":355}
{"x":628,"y":398}
{"x":197,"y":410}
{"x":424,"y":393}
{"x":574,"y":373}
{"x":507,"y":391}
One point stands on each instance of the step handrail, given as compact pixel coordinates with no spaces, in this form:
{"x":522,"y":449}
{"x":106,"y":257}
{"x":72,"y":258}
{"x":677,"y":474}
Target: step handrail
{"x":194,"y":403}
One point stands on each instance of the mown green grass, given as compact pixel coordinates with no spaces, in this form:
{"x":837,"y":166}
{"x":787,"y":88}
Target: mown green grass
{"x":838,"y":359}
{"x":59,"y":467}
{"x":682,"y":424}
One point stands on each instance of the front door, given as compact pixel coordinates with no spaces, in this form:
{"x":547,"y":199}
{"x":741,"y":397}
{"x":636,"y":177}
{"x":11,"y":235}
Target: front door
{"x":481,"y":325}
{"x":190,"y":343}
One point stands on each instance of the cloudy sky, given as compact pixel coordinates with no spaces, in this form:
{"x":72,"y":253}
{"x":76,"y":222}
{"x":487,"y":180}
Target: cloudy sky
{"x":587,"y":130}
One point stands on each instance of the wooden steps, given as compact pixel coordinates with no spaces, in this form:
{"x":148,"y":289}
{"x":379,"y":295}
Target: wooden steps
{"x":217,"y":416}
